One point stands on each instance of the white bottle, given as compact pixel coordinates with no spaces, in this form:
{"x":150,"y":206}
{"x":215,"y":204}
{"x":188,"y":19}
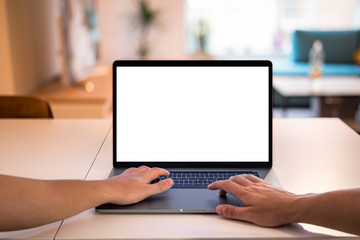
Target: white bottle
{"x":316,"y":59}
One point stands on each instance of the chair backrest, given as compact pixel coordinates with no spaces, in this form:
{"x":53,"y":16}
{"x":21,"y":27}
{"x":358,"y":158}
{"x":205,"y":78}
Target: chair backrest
{"x":24,"y":107}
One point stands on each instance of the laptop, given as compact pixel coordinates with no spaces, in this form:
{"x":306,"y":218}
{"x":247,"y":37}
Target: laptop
{"x":201,"y":120}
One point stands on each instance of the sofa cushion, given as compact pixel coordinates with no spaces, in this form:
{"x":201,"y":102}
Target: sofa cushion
{"x":286,"y":66}
{"x":339,"y":46}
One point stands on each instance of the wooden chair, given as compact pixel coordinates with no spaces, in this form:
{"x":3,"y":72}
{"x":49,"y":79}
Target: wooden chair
{"x":24,"y":107}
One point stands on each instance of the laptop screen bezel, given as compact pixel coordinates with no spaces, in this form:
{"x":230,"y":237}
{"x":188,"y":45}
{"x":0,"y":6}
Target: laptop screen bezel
{"x":193,"y":63}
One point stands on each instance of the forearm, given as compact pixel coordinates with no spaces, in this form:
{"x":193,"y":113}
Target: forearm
{"x":338,"y":210}
{"x":27,"y":203}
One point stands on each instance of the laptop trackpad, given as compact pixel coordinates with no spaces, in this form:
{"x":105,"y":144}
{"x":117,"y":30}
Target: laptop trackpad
{"x":190,"y":200}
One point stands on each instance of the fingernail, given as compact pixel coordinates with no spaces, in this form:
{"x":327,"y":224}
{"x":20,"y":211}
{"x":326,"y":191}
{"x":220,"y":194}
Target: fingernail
{"x":221,"y":210}
{"x":169,"y":182}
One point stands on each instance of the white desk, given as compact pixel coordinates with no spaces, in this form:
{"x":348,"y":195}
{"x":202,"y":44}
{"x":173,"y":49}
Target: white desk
{"x":49,"y":149}
{"x":80,"y":101}
{"x":310,"y":155}
{"x":335,"y":96}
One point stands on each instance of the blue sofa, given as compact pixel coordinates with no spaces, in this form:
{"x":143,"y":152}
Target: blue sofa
{"x":339,"y":48}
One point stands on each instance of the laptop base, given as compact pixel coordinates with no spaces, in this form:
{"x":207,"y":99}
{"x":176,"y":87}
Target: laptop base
{"x":178,"y":200}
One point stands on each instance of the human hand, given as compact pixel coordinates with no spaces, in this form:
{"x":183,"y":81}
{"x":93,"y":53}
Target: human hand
{"x":133,"y":185}
{"x":265,"y":205}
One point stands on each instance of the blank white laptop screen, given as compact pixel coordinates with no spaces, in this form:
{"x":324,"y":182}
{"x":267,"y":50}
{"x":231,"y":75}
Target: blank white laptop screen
{"x":192,"y":114}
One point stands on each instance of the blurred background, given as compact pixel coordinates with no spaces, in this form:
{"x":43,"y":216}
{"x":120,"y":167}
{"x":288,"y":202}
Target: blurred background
{"x":62,"y":50}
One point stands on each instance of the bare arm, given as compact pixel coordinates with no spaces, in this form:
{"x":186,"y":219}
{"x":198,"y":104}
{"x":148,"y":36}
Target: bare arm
{"x":269,"y":206}
{"x":26,"y":203}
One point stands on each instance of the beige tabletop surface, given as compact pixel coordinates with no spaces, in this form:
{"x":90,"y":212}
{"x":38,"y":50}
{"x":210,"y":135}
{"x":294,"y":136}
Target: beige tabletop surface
{"x":49,"y":149}
{"x":309,"y":155}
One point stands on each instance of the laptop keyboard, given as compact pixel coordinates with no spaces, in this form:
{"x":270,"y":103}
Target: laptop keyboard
{"x":200,"y":179}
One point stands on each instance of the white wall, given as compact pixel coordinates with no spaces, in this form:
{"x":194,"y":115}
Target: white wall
{"x":119,"y":37}
{"x":29,"y":43}
{"x":168,"y":41}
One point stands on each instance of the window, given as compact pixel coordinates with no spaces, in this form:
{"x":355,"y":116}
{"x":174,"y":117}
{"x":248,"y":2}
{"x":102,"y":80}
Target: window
{"x":261,"y":27}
